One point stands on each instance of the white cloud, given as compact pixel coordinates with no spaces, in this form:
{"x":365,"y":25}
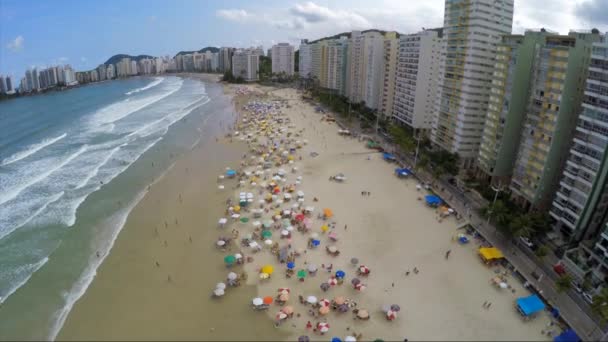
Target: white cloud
{"x":313,"y":13}
{"x":233,"y":14}
{"x":16,"y":44}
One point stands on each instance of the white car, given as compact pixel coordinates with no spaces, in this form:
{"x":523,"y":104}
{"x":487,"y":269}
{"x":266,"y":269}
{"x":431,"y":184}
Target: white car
{"x":588,"y":298}
{"x":526,"y":241}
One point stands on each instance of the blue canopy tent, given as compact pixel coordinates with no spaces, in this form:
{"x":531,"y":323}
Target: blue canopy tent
{"x":432,"y":200}
{"x":230,"y":173}
{"x":530,"y":305}
{"x":402,"y":172}
{"x":388,"y":157}
{"x":567,"y":336}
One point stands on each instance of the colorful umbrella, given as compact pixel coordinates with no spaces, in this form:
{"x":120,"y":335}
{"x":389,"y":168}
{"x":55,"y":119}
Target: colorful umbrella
{"x":340,"y":274}
{"x":264,"y":275}
{"x":327,"y":212}
{"x":355,"y":281}
{"x":395,"y":308}
{"x":311,"y":299}
{"x":257,"y":301}
{"x":336,"y":339}
{"x":362,"y":313}
{"x":244,"y":219}
{"x":332,"y":281}
{"x":324,"y":286}
{"x":350,"y":339}
{"x":301,"y":274}
{"x":324,"y":302}
{"x":339,"y":300}
{"x":268,"y":300}
{"x":324,"y":228}
{"x":288,"y":310}
{"x":220,"y":286}
{"x":267,"y":269}
{"x":229,"y":259}
{"x":324,"y":310}
{"x":266,"y":234}
{"x":316,"y":242}
{"x":291,"y":265}
{"x":312,"y":268}
{"x":343,"y":308}
{"x":232,"y":276}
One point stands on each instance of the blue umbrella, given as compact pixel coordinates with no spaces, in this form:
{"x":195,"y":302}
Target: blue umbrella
{"x":230,"y":173}
{"x":316,"y":242}
{"x":291,"y":265}
{"x":336,"y":339}
{"x":340,"y":274}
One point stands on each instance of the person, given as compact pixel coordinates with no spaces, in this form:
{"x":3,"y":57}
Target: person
{"x":308,"y":325}
{"x":447,"y":254}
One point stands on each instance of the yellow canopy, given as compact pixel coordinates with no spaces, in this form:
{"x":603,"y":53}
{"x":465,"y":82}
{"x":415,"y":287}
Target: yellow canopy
{"x":324,"y":228}
{"x":237,"y":209}
{"x":267,"y":269}
{"x":490,"y":253}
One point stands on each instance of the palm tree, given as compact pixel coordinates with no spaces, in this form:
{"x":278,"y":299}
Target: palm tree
{"x":600,"y":304}
{"x":563,"y":283}
{"x":500,"y":213}
{"x":521,"y":226}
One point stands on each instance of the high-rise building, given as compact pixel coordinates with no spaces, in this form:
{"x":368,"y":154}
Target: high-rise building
{"x":101,"y":72}
{"x":317,"y":68}
{"x":110,"y":72}
{"x":472,"y":29}
{"x":509,"y":97}
{"x":123,"y":67}
{"x":23,"y":86}
{"x":245,"y":64}
{"x":556,"y":91}
{"x":416,"y":77}
{"x":9,"y":85}
{"x":133,"y":69}
{"x":580,"y":206}
{"x":215,"y":62}
{"x":258,"y":50}
{"x":283,"y":58}
{"x":3,"y":88}
{"x":69,"y":75}
{"x":336,"y":65}
{"x":225,"y":58}
{"x":305,"y":59}
{"x":366,"y":52}
{"x":31,"y":76}
{"x":389,"y":66}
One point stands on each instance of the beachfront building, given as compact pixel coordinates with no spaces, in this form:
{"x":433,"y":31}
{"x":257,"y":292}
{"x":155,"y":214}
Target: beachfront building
{"x":225,"y":58}
{"x":283,"y":58}
{"x":31,"y":76}
{"x":416,"y":76}
{"x":123,"y":67}
{"x":305,"y":59}
{"x":556,"y":91}
{"x":387,"y":91}
{"x":471,"y":31}
{"x":245,"y":64}
{"x":509,"y":99}
{"x":101,"y":71}
{"x":110,"y":72}
{"x":335,"y":53}
{"x":366,"y":53}
{"x":133,"y":69}
{"x":581,"y":203}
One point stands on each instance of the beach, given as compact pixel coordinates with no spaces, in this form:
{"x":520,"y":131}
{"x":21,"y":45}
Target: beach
{"x":157,"y":281}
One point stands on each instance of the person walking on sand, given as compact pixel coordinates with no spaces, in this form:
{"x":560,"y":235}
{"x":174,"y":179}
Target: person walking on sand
{"x":484,"y":304}
{"x":447,"y":254}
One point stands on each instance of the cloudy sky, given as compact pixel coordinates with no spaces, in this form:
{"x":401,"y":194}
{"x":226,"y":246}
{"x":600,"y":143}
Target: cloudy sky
{"x":86,"y":33}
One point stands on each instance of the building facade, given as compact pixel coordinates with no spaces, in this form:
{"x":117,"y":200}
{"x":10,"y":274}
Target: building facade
{"x":472,"y":29}
{"x":336,"y":65}
{"x":366,"y":56}
{"x":245,"y":64}
{"x":389,"y":66}
{"x":416,"y":75}
{"x":305,"y":59}
{"x":283,"y":59}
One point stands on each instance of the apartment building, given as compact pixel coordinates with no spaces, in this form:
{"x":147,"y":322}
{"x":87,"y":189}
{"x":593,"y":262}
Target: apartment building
{"x":245,"y":64}
{"x":389,"y":66}
{"x":283,"y":59}
{"x":305,"y":59}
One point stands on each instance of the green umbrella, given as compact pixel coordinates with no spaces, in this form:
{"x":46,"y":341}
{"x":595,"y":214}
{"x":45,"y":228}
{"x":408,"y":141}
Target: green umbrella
{"x":301,"y":274}
{"x":229,"y":259}
{"x":266,"y":234}
{"x":244,"y":219}
{"x":286,"y":223}
{"x":267,"y":224}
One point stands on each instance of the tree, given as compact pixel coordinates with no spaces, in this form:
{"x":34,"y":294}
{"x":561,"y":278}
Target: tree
{"x":563,"y":283}
{"x":499,"y":213}
{"x":542,"y":251}
{"x":521,"y":225}
{"x":600,"y":304}
{"x":402,"y":138}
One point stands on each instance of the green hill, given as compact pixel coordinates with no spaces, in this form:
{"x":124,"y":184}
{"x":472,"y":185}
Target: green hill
{"x":208,"y":48}
{"x":116,"y":58}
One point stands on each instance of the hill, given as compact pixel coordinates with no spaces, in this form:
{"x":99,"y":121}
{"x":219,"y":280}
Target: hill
{"x":116,"y":58}
{"x":208,"y":48}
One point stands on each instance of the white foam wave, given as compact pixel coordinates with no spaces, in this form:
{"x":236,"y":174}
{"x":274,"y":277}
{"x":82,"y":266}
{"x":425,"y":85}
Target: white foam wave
{"x":31,"y":268}
{"x":150,"y":85}
{"x":86,"y":278}
{"x":95,"y":171}
{"x":122,"y":109}
{"x":172,"y":118}
{"x":31,"y":150}
{"x":12,"y":193}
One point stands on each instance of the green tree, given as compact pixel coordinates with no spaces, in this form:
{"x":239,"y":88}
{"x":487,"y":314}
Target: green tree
{"x":563,"y":283}
{"x":521,"y":225}
{"x":600,"y":304}
{"x":401,"y":137}
{"x":542,"y":251}
{"x":499,"y":213}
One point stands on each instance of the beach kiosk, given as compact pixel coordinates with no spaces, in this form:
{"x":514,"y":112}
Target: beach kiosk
{"x":529,"y":306}
{"x":433,"y":200}
{"x":388,"y":157}
{"x":567,"y":336}
{"x":402,"y":172}
{"x":490,"y":254}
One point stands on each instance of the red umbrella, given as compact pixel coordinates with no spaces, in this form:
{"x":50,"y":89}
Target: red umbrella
{"x":324,"y":302}
{"x":300,"y":217}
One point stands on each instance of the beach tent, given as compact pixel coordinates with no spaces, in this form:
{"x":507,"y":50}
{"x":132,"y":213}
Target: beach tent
{"x":230,"y":173}
{"x":432,"y":200}
{"x":530,"y":305}
{"x":490,"y":253}
{"x":402,"y":172}
{"x":388,"y":157}
{"x":567,"y":336}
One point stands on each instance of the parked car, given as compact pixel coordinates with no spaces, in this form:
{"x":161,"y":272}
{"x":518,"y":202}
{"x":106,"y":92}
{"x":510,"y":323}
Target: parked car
{"x":588,"y":298}
{"x":526,"y":242}
{"x":577,"y":287}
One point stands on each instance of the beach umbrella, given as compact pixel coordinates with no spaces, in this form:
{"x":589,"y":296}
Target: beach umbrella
{"x":286,"y":222}
{"x":303,"y":338}
{"x":364,"y":269}
{"x":324,"y":228}
{"x":386,"y":308}
{"x":339,"y":300}
{"x":343,"y":308}
{"x":395,"y":308}
{"x":307,"y":223}
{"x":300,"y":193}
{"x":244,"y":219}
{"x":284,"y":232}
{"x":311,"y":299}
{"x":253,"y":244}
{"x":218,"y":292}
{"x":332,"y":281}
{"x":267,"y":269}
{"x":229,"y":259}
{"x":355,"y":281}
{"x":268,"y":242}
{"x":324,"y":310}
{"x":360,"y":287}
{"x":235,"y":216}
{"x":268,"y":300}
{"x":332,"y":249}
{"x":221,"y":187}
{"x":289,"y":228}
{"x":257,"y":223}
{"x":340,"y":274}
{"x":314,"y":235}
{"x":309,"y":209}
{"x":237,"y":209}
{"x":257,"y":301}
{"x":264,"y":275}
{"x":324,"y":302}
{"x":266,"y":234}
{"x":323,"y":327}
{"x":284,"y":290}
{"x":354,"y":261}
{"x":220,"y":243}
{"x":232,"y":276}
{"x":328,"y":212}
{"x":336,"y":339}
{"x":288,"y":310}
{"x":350,"y":339}
{"x":333,"y":236}
{"x":316,"y":242}
{"x":312,"y":268}
{"x":291,"y":265}
{"x":391,"y":315}
{"x":324,"y":286}
{"x":301,"y":274}
{"x":281,"y":316}
{"x":220,"y":286}
{"x":267,"y":224}
{"x":284,"y":297}
{"x":300,"y":217}
{"x":362,"y":313}
{"x":222,"y":221}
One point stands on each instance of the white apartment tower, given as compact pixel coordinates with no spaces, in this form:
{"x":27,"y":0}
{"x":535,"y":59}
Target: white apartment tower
{"x":245,"y":64}
{"x":366,"y":55}
{"x":416,"y":78}
{"x":305,"y":59}
{"x":472,"y":30}
{"x":283,"y":58}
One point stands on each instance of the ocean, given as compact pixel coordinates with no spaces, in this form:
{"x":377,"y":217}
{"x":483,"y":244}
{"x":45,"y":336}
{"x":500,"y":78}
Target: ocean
{"x":72,"y":166}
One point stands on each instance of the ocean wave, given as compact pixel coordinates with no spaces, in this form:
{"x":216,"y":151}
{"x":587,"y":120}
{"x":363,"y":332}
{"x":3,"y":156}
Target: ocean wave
{"x":12,"y":193}
{"x":95,"y":171}
{"x":28,"y":151}
{"x":153,"y":84}
{"x":29,"y":268}
{"x":122,"y":109}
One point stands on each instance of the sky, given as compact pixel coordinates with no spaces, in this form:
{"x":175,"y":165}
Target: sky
{"x":86,"y":33}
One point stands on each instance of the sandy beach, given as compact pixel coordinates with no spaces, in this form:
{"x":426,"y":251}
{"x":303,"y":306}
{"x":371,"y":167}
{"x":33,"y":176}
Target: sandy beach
{"x":157,"y":281}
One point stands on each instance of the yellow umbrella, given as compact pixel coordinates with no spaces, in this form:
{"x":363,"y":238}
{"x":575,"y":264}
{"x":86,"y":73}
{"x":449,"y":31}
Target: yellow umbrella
{"x":324,"y":228}
{"x":237,"y":209}
{"x":267,"y":269}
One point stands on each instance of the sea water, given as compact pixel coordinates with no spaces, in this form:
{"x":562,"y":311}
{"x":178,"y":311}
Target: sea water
{"x":70,"y":163}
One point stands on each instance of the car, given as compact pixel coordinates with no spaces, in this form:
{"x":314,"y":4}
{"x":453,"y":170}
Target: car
{"x":576,"y":286}
{"x":526,"y":241}
{"x":588,"y":298}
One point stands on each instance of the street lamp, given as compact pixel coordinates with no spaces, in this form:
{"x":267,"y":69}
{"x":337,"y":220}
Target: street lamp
{"x":497,"y":190}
